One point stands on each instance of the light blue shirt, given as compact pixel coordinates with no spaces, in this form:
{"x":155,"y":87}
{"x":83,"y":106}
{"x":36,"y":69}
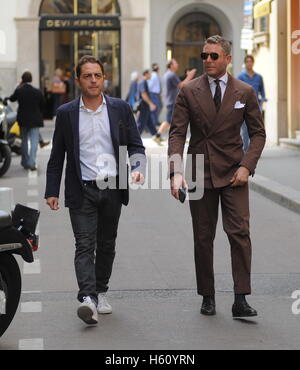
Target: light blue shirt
{"x":257,"y":82}
{"x":154,"y":83}
{"x":97,"y":156}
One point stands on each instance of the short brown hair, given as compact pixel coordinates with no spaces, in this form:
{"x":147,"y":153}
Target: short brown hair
{"x":225,"y":44}
{"x":249,"y":57}
{"x":170,"y":62}
{"x":87,"y":59}
{"x":26,"y":77}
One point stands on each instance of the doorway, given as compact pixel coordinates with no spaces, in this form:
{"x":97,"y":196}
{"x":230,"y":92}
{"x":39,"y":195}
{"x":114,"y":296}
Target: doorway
{"x":188,"y":39}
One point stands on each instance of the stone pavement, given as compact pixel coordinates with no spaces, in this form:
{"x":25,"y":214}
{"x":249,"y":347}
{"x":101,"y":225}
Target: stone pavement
{"x":278,"y":176}
{"x":153,"y":287}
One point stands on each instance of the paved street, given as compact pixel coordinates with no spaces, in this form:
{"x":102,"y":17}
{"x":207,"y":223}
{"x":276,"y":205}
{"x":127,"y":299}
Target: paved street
{"x":153,"y":290}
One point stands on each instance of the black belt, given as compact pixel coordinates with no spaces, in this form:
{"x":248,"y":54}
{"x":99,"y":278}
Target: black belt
{"x":89,"y":182}
{"x":94,"y":182}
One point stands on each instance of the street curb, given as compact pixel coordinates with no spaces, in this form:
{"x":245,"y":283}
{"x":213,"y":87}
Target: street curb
{"x":281,"y":194}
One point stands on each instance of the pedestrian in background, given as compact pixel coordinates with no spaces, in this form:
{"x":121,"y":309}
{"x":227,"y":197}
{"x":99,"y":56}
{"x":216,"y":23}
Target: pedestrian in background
{"x":146,"y":107}
{"x":88,"y":132}
{"x":215,"y":106}
{"x":172,"y":84}
{"x":30,"y":118}
{"x":256,"y":81}
{"x":133,"y":94}
{"x":154,"y":85}
{"x":58,"y":89}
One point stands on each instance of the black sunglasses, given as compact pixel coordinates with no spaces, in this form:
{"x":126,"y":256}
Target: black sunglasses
{"x":214,"y":56}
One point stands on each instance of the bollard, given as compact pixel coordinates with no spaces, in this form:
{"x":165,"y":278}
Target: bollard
{"x":6,"y":200}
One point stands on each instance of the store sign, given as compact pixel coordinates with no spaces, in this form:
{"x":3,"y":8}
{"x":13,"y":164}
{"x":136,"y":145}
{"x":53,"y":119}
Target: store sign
{"x":248,"y":14}
{"x":247,"y":34}
{"x":79,"y":23}
{"x":262,"y":9}
{"x":247,"y":39}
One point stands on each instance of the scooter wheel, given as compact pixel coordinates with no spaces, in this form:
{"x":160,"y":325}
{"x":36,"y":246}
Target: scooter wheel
{"x":10,"y":283}
{"x":5,"y":158}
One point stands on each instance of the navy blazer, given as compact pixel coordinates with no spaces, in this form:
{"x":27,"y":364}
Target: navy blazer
{"x":124,"y":132}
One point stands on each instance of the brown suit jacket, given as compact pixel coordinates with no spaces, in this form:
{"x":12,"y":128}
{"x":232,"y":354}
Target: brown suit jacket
{"x":217,"y":135}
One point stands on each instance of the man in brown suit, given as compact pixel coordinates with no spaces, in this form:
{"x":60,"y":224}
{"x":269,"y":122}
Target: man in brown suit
{"x":215,"y":105}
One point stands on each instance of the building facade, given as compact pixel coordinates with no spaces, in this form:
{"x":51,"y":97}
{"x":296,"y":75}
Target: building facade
{"x":128,"y":35}
{"x":276,"y":47}
{"x":293,"y":116}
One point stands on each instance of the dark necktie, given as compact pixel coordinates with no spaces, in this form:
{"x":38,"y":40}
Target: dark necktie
{"x":218,"y":95}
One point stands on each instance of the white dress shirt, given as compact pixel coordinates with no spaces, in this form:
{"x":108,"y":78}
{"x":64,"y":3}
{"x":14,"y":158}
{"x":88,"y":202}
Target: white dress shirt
{"x":97,"y":156}
{"x":223,"y":84}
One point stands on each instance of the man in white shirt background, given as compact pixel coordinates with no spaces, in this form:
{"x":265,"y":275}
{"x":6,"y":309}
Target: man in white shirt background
{"x":154,"y":85}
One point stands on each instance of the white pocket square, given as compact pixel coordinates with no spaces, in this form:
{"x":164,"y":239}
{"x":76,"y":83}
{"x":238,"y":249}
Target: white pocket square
{"x":239,"y":105}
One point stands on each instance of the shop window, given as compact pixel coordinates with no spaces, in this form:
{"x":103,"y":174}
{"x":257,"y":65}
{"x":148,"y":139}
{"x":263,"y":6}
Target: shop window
{"x":70,"y":29}
{"x":83,"y":6}
{"x":57,"y":7}
{"x":108,"y":7}
{"x":262,"y":25}
{"x":101,"y":7}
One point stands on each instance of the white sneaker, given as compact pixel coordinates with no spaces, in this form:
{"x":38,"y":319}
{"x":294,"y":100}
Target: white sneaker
{"x":87,"y":311}
{"x":103,"y":306}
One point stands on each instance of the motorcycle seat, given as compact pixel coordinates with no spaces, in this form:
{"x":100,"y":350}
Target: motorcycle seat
{"x":5,"y":220}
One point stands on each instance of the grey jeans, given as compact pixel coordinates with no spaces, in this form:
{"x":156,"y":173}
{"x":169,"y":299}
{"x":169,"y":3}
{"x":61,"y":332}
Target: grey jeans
{"x":95,"y":227}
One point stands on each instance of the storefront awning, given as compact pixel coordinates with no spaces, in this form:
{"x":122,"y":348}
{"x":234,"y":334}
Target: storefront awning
{"x":262,"y":9}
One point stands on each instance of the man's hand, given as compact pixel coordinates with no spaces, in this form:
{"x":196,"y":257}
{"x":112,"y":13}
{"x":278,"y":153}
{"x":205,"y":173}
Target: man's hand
{"x":240,"y":177}
{"x":177,"y":182}
{"x":137,"y":178}
{"x":190,"y":74}
{"x":53,"y":203}
{"x":152,"y":107}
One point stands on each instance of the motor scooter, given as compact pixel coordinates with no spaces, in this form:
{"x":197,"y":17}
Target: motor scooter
{"x":5,"y":151}
{"x":17,"y":236}
{"x":13,"y":134}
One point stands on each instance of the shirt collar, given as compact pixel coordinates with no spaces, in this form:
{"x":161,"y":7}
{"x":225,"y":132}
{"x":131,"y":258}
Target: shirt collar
{"x":246,"y":73}
{"x":224,"y":79}
{"x":82,"y":107}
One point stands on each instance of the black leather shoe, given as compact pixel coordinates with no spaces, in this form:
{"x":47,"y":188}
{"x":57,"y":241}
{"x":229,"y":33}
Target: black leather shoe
{"x":208,"y":307}
{"x":242,"y":309}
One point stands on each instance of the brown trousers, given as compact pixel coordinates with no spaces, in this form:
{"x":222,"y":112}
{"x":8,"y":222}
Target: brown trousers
{"x":235,"y":215}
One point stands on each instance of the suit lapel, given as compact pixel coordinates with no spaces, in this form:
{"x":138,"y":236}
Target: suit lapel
{"x":113,"y":115}
{"x":74,"y":119}
{"x":230,"y":97}
{"x":204,"y":99}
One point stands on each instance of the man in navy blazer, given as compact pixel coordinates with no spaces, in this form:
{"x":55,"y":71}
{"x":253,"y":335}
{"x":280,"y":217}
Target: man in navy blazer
{"x":95,"y":132}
